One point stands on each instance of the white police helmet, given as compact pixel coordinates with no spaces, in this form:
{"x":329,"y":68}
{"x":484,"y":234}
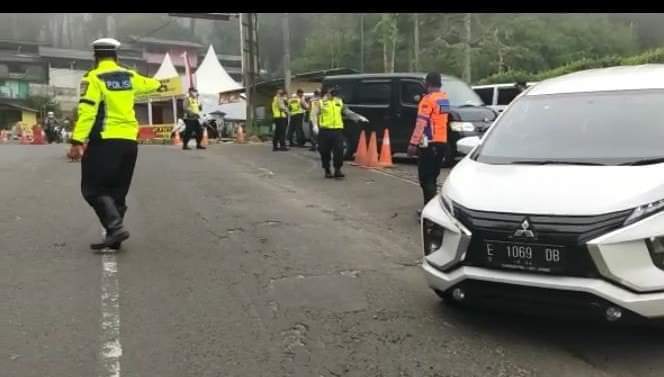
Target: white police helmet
{"x":106,"y":44}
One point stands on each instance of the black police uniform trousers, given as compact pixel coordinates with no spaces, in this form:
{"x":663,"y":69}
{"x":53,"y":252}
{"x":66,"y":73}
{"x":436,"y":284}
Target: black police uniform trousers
{"x":279,"y":137}
{"x":107,"y":168}
{"x":429,"y":163}
{"x":295,"y":127}
{"x":192,"y":127}
{"x":331,"y":146}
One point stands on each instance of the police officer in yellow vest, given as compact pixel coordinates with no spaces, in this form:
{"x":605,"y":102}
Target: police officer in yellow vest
{"x":192,"y":120}
{"x":107,"y":123}
{"x":296,"y":107}
{"x":331,"y":126}
{"x":280,"y":116}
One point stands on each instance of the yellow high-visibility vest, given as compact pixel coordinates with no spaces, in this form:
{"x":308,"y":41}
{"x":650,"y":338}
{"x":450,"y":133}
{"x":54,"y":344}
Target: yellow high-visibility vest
{"x":330,"y":113}
{"x":294,"y":106}
{"x":106,"y":105}
{"x":276,"y":109}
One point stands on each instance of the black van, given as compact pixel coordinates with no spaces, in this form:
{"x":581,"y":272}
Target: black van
{"x":389,"y":100}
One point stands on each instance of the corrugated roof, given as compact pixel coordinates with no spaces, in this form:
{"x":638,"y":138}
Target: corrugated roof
{"x":317,"y":75}
{"x":7,"y":56}
{"x":65,"y":53}
{"x":17,"y":107}
{"x":230,"y":58}
{"x":148,"y":40}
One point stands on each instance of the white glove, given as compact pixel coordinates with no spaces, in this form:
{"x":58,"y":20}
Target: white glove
{"x":364,"y":119}
{"x":315,"y":129}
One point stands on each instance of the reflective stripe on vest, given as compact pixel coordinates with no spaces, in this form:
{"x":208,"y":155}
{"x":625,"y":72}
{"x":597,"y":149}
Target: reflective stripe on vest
{"x":330,"y":113}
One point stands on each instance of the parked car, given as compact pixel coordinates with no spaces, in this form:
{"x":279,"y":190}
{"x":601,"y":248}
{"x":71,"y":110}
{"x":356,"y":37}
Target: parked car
{"x":390,"y":101}
{"x":560,"y":206}
{"x":498,"y":96}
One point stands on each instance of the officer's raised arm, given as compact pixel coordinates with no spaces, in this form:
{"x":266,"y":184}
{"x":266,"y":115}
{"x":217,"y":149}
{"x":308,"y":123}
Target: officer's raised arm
{"x":144,"y":85}
{"x":353,"y":115}
{"x":88,"y":105}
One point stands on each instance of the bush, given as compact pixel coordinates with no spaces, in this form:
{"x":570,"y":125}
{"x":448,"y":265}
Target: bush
{"x":647,"y":57}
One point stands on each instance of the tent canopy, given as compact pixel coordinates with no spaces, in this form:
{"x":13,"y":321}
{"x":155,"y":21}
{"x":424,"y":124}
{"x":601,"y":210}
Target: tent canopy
{"x":167,"y":69}
{"x":212,"y":78}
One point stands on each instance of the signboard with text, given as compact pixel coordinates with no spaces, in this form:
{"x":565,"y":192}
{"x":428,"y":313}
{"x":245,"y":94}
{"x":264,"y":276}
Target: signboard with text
{"x":171,"y":87}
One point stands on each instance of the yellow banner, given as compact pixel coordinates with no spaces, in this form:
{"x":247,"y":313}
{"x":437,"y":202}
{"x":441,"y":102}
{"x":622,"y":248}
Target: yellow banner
{"x":169,"y":88}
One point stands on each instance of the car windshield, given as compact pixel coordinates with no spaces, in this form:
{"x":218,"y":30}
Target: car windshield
{"x":618,"y":127}
{"x":460,"y":94}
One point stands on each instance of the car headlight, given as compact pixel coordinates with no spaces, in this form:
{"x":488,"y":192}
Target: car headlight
{"x":432,"y":235}
{"x":446,"y":203}
{"x":644,"y":211}
{"x":656,"y":248}
{"x":462,"y":126}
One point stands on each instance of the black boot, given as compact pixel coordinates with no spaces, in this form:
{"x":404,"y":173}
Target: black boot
{"x":338,"y":174}
{"x":111,"y":219}
{"x":123,"y":210}
{"x":328,"y":173}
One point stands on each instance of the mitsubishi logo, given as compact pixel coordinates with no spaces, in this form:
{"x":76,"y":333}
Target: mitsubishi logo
{"x":525,"y":231}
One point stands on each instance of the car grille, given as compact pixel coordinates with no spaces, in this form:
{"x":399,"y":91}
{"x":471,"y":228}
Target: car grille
{"x":570,"y":231}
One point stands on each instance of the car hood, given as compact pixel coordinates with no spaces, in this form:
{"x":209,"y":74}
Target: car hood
{"x":472,"y":114}
{"x":553,"y":189}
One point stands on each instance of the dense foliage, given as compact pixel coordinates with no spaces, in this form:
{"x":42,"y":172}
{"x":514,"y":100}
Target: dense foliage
{"x":479,"y":47}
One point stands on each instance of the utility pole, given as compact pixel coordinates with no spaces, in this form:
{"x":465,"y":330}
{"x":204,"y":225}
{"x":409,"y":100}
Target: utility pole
{"x":362,"y":43}
{"x":286,"y":37}
{"x":467,"y":50}
{"x":249,"y":43}
{"x":416,"y":47}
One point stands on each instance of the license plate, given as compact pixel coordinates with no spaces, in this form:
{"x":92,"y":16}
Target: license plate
{"x":525,"y":256}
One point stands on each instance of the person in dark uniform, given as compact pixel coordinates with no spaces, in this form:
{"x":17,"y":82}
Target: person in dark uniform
{"x":429,"y":137}
{"x":297,"y":107}
{"x":106,"y":121}
{"x":280,"y":116}
{"x":192,"y":116}
{"x":331,"y":126}
{"x":51,"y":127}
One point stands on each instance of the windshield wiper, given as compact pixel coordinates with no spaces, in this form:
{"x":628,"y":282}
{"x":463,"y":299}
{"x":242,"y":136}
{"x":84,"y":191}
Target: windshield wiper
{"x":644,"y":161}
{"x":555,"y":162}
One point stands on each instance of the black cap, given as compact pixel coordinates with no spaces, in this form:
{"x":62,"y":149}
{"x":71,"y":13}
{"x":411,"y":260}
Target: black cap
{"x":434,"y":79}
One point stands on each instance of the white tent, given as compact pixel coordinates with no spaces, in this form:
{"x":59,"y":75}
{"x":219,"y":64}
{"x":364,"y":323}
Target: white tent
{"x":167,"y":69}
{"x":212,"y":78}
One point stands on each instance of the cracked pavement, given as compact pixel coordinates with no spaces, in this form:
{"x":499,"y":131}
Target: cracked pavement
{"x":245,"y":262}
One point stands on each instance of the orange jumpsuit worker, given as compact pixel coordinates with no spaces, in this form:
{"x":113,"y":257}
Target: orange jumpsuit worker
{"x":429,"y":138}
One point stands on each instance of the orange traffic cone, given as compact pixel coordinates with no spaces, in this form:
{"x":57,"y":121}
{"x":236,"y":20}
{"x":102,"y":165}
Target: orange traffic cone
{"x":372,"y":153}
{"x":240,"y":135}
{"x":204,"y":142}
{"x":176,"y":138}
{"x":361,"y":151}
{"x":385,"y":159}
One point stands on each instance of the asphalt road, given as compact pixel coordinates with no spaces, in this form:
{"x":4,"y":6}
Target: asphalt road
{"x":245,"y":262}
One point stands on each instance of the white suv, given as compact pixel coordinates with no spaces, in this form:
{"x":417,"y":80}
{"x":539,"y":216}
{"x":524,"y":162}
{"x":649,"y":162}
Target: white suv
{"x":560,"y":206}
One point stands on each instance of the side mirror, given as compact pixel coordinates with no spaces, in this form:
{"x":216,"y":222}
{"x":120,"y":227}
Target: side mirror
{"x":417,"y":98}
{"x":467,"y":144}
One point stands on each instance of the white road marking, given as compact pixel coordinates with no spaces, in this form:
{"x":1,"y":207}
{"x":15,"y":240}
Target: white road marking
{"x":111,"y":349}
